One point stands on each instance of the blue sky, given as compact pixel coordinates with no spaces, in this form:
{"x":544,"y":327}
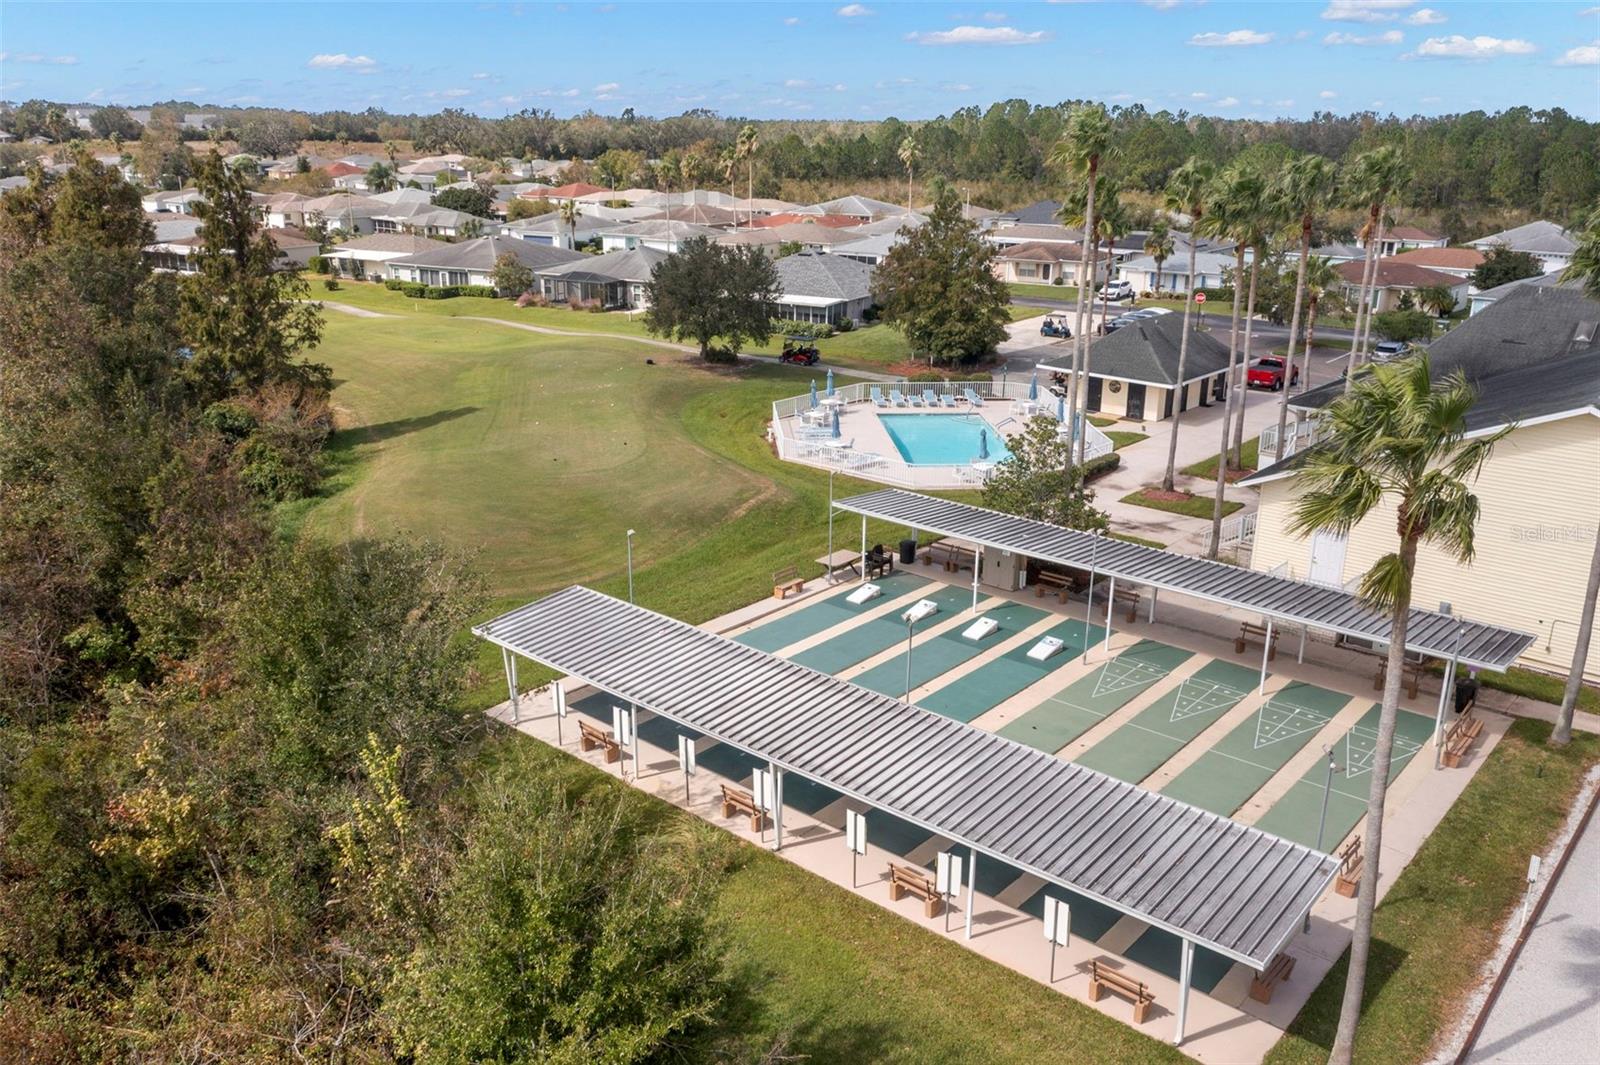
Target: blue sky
{"x":797,"y":60}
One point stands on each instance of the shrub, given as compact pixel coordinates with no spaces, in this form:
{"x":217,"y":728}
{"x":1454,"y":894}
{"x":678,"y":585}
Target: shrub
{"x":927,"y":375}
{"x":1403,"y":325}
{"x":532,"y":299}
{"x":232,"y":419}
{"x":414,"y":289}
{"x":1099,"y":467}
{"x":393,"y":284}
{"x":1059,"y":280}
{"x":846,"y":324}
{"x":317,"y":264}
{"x":485,"y":291}
{"x":721,"y":355}
{"x":331,"y":284}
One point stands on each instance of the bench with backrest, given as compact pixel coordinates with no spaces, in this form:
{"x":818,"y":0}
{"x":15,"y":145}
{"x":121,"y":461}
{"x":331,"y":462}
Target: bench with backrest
{"x":1128,"y":597}
{"x":741,"y":802}
{"x":910,"y":880}
{"x":593,"y":737}
{"x":786,"y":582}
{"x":1459,"y":738}
{"x":1348,"y":882}
{"x":1103,"y":978}
{"x":954,"y":556}
{"x":1050,"y":579}
{"x":1263,"y":983}
{"x":1250,"y":632}
{"x":1410,"y":676}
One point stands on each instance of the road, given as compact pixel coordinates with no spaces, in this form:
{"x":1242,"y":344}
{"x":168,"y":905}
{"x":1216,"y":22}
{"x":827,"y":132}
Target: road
{"x":1548,"y":1013}
{"x":1213,"y":320}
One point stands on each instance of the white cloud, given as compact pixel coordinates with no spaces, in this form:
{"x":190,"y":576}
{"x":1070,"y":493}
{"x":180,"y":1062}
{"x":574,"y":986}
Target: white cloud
{"x":797,"y":83}
{"x":791,"y":21}
{"x":1456,"y":46}
{"x":1432,"y":99}
{"x":1327,"y":94}
{"x":455,"y":94}
{"x":609,"y":86}
{"x":1005,"y":35}
{"x":854,"y":11}
{"x":1365,"y":10}
{"x":1590,"y":11}
{"x":340,"y":61}
{"x":840,"y":86}
{"x":1283,"y":103}
{"x":1231,"y":39}
{"x":956,"y":86}
{"x":1199,"y":96}
{"x":1162,"y":5}
{"x":39,"y":57}
{"x":480,"y":76}
{"x":1228,"y":101}
{"x":1387,"y":37}
{"x":1426,"y":16}
{"x":994,"y":16}
{"x":1585,"y":55}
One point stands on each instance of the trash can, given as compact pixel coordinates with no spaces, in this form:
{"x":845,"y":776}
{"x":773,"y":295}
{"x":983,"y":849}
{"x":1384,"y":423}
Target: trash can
{"x":908,"y":551}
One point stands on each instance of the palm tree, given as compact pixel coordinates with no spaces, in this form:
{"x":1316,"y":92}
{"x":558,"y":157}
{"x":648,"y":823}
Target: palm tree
{"x":570,"y":212}
{"x":745,"y":148}
{"x":380,"y":176}
{"x":728,"y":160}
{"x":1158,"y":245}
{"x":1438,"y":299}
{"x":909,"y":154}
{"x":1584,"y":267}
{"x":1186,"y":193}
{"x":1111,"y":222}
{"x":1304,"y":189}
{"x":1323,"y":285}
{"x":1263,"y":224}
{"x":1374,"y":179}
{"x":1078,"y":154}
{"x":1399,"y":443}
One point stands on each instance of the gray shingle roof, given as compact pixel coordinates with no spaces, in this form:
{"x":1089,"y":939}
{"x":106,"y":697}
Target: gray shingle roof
{"x":634,"y":264}
{"x":1540,"y":236}
{"x":403,"y":242}
{"x":823,"y":276}
{"x":1147,"y":351}
{"x":480,"y":254}
{"x":859,"y":206}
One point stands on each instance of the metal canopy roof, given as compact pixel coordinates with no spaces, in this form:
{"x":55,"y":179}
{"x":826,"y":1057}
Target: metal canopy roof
{"x":1234,"y":889}
{"x":1302,"y":602}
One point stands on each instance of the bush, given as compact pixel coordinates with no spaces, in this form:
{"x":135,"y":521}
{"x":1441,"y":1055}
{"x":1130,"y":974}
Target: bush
{"x":1403,"y":325}
{"x":331,"y":284}
{"x":393,"y":284}
{"x":809,"y":330}
{"x":484,"y":291}
{"x":846,"y":324}
{"x":1099,"y":467}
{"x":441,"y":292}
{"x":927,"y":375}
{"x":1059,"y":280}
{"x":722,"y":355}
{"x":414,"y":289}
{"x":532,"y":299}
{"x":317,"y":264}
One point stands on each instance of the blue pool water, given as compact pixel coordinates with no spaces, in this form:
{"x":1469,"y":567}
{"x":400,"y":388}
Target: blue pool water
{"x":942,"y":439}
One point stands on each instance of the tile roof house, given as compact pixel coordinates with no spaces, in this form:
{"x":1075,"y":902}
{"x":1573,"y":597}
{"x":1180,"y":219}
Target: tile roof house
{"x":1338,"y":252}
{"x":471,"y":262}
{"x":788,"y":217}
{"x":615,"y":280}
{"x":562,"y":193}
{"x":680,"y":197}
{"x":550,"y":229}
{"x":1393,"y":278}
{"x":870,"y":250}
{"x":700,"y":214}
{"x":366,"y":256}
{"x":817,"y":287}
{"x":1134,"y":371}
{"x":1042,"y":212}
{"x":1459,"y":262}
{"x":178,"y":255}
{"x":661,"y":234}
{"x":1545,"y":241}
{"x":1397,"y":239}
{"x":810,"y":237}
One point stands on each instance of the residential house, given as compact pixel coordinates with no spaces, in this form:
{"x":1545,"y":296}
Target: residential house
{"x":892,"y":224}
{"x":280,"y":209}
{"x":616,"y":280}
{"x":551,"y":230}
{"x":864,"y":208}
{"x":280,"y":169}
{"x":809,"y":237}
{"x":1393,"y":280}
{"x":1339,"y":252}
{"x":785,"y":218}
{"x":757,"y":206}
{"x":1457,"y":262}
{"x":1545,"y":241}
{"x":367,"y":257}
{"x":561,"y":193}
{"x":1534,"y":357}
{"x":701,"y":215}
{"x":179,"y":255}
{"x":1397,"y":239}
{"x":1134,"y":372}
{"x":177,"y":202}
{"x":428,"y":221}
{"x":1481,"y":301}
{"x":1041,"y":212}
{"x":345,"y":212}
{"x":435,"y":170}
{"x":628,"y":196}
{"x":681,"y":197}
{"x":659,"y":234}
{"x":168,"y":226}
{"x":870,"y":250}
{"x":472,"y":262}
{"x":79,"y":117}
{"x":1038,"y":262}
{"x":1004,"y":233}
{"x":822,"y":288}
{"x":1211,"y":262}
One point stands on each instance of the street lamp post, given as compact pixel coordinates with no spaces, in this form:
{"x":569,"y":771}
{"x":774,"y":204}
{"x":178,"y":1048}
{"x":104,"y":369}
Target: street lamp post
{"x":630,"y":565}
{"x":1322,"y":821}
{"x":919,"y":610}
{"x":911,"y":627}
{"x":830,"y":526}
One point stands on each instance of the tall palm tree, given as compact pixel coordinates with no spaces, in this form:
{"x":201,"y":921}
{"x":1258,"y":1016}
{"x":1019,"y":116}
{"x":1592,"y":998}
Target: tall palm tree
{"x":1263,"y":224}
{"x":1374,"y":179}
{"x":1159,"y":246}
{"x":909,"y":154}
{"x":1323,"y":285}
{"x":1584,"y":267}
{"x":1111,"y":221}
{"x":1233,"y":199}
{"x":1303,"y":190}
{"x":1078,"y":154}
{"x":570,"y":212}
{"x":745,"y":147}
{"x":1398,"y":441}
{"x":1186,"y":193}
{"x":728,"y":160}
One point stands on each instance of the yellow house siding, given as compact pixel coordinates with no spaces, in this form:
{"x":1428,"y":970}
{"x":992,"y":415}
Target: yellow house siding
{"x":1540,"y":508}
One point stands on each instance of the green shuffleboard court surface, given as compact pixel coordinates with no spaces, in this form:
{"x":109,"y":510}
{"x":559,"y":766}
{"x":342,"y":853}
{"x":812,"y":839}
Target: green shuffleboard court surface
{"x":879,"y":634}
{"x":939,"y":654}
{"x":994,"y":682}
{"x":793,"y":626}
{"x":1246,"y":758}
{"x":1159,"y":949}
{"x":1161,"y":730}
{"x":1068,"y":714}
{"x":1296,"y":815}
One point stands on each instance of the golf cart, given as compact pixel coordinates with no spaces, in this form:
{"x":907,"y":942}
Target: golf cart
{"x":1056,"y":328}
{"x":801,"y":351}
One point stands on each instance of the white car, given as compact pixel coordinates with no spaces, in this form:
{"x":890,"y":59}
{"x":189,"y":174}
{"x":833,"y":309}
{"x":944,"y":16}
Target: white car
{"x":1117,"y":290}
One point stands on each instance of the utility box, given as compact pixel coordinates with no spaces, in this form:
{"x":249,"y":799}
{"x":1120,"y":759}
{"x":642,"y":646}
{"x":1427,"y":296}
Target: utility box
{"x":1005,"y":570}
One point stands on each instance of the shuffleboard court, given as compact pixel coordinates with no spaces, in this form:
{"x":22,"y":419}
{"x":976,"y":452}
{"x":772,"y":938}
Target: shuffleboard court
{"x":992,"y":683}
{"x":1296,"y":815}
{"x":792,"y":626}
{"x":1158,"y":949}
{"x":1234,"y":769}
{"x":944,"y":652}
{"x":1068,"y":714}
{"x":878,"y":634}
{"x":1162,"y":729}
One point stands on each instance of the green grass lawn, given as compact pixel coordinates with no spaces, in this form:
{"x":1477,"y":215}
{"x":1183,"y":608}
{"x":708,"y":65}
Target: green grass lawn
{"x":1434,"y":930}
{"x":1250,"y":455}
{"x":1540,"y":686}
{"x":1068,"y":293}
{"x":1132,"y":539}
{"x":1191,"y":506}
{"x":1121,"y":438}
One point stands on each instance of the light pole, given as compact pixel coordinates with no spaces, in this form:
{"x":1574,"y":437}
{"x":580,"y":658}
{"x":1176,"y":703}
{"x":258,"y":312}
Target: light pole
{"x":630,"y":565}
{"x":921,"y":609}
{"x":830,"y":526}
{"x":1322,"y":821}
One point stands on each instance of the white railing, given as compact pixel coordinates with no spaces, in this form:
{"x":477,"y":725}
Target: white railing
{"x":1236,"y":532}
{"x":1297,"y":436}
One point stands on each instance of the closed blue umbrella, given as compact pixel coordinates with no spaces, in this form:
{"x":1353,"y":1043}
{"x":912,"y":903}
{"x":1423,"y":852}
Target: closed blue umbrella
{"x":1033,"y":388}
{"x":983,"y":444}
{"x":813,"y":393}
{"x":836,"y":423}
{"x":1061,"y":409}
{"x":830,"y":382}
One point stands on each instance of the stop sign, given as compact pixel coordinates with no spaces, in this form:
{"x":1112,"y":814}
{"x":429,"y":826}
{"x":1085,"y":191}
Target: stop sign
{"x":1199,"y":297}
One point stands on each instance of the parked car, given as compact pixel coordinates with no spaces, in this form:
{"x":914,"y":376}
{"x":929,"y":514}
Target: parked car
{"x":1117,"y":290}
{"x":1268,"y":371}
{"x":1390,"y":350}
{"x":799,"y":351}
{"x":1130,"y":317}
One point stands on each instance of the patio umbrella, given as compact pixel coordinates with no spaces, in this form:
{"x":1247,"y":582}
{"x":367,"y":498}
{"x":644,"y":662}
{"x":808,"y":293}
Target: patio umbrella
{"x":1033,"y":388}
{"x":813,"y":393}
{"x":1061,"y":409}
{"x":830,"y":382}
{"x":835,"y":429}
{"x":983,"y":444}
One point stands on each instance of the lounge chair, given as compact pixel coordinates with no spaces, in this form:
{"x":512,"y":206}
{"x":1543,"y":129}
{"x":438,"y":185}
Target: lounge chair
{"x":973,"y":398}
{"x":929,"y":398}
{"x":897,"y":399}
{"x":877,"y":397}
{"x":947,"y":399}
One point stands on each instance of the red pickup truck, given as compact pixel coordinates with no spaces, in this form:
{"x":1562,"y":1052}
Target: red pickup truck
{"x":1267,"y":372}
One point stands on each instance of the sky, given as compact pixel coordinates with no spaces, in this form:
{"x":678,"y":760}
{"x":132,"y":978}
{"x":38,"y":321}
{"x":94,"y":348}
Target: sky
{"x":779,"y":59}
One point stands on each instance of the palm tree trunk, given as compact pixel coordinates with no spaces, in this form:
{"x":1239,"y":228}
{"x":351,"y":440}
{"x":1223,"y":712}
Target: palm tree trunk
{"x":1083,"y":437}
{"x":1372,"y":845}
{"x":1080,"y":342}
{"x":1183,"y":351}
{"x":1369,"y":273}
{"x":1294,"y":332}
{"x":1244,"y":364}
{"x":1227,"y":407}
{"x":1311,"y":333}
{"x":1105,"y":291}
{"x":1372,"y":300}
{"x":1580,"y":654}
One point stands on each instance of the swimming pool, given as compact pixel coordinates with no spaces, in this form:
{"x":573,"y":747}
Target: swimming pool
{"x":942,"y":439}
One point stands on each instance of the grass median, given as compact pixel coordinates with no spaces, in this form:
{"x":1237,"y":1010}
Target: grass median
{"x":1186,"y":503}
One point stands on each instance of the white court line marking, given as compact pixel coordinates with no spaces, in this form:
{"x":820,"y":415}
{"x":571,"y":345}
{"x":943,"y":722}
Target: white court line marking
{"x":1128,"y":675}
{"x":1358,"y":757}
{"x":1203,"y":697}
{"x":1288,"y":720}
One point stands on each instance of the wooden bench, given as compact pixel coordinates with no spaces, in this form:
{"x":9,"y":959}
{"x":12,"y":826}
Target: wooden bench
{"x":1351,"y":860}
{"x":1250,"y":632}
{"x":1062,"y":584}
{"x":1103,"y":979}
{"x":591,"y":737}
{"x":739,"y":801}
{"x":954,"y":556}
{"x":1410,"y":676}
{"x":909,"y":880}
{"x":1262,"y":983}
{"x":1129,"y":598}
{"x":1460,"y":737}
{"x":786,"y":582}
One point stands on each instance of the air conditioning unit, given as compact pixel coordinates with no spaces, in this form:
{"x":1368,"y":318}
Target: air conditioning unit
{"x":864,"y":594}
{"x":980,"y":628}
{"x":1046,"y":647}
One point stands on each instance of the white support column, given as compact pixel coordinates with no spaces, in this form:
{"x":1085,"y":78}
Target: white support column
{"x":1185,"y":967}
{"x":1446,"y":681}
{"x":1301,"y":657}
{"x":1088,"y":619}
{"x":972,"y":885}
{"x":1111,"y":604}
{"x":1153,"y":591}
{"x":977,"y":563}
{"x":511,"y":684}
{"x":1266,"y":649}
{"x":777,"y":806}
{"x":862,"y":561}
{"x":516,"y":692}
